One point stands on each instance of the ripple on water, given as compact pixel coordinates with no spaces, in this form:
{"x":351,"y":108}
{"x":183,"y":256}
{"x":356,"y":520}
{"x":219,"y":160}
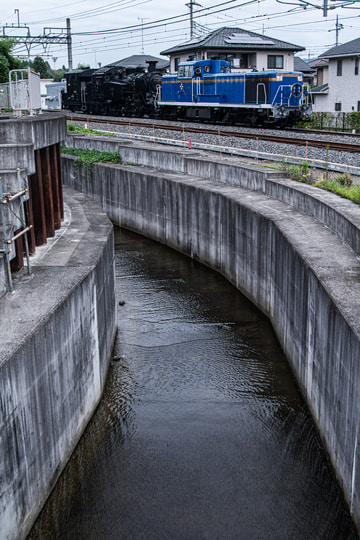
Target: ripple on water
{"x":202,"y":432}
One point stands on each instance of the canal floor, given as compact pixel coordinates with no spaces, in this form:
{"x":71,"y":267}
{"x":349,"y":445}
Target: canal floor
{"x":202,"y":432}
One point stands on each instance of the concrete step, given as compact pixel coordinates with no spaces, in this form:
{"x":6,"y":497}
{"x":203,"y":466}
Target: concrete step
{"x":14,"y":181}
{"x":17,"y":155}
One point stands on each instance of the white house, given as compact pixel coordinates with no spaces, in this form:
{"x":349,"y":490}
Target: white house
{"x":341,"y":91}
{"x":245,"y":50}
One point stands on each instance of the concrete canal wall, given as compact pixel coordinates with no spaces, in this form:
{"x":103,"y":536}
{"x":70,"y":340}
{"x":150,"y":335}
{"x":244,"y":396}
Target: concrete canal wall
{"x":57,"y":330}
{"x":285,"y":245}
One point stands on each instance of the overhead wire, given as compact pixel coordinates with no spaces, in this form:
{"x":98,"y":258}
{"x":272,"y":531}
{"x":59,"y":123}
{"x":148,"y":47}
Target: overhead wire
{"x":170,"y":21}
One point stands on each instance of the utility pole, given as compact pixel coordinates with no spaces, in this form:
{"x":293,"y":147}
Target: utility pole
{"x":325,"y":8}
{"x":142,"y":32}
{"x":338,"y":27}
{"x":190,"y":5}
{"x":69,"y":44}
{"x":49,"y":36}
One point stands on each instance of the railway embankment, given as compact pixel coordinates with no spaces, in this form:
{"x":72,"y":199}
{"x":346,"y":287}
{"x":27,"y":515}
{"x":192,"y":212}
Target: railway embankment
{"x":291,"y":248}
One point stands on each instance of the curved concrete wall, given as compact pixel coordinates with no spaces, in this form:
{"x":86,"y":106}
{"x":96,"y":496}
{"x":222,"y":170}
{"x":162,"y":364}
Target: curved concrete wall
{"x":298,"y":271}
{"x":56,"y":333}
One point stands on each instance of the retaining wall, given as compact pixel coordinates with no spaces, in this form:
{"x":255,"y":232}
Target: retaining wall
{"x":56,"y":333}
{"x":297,"y":270}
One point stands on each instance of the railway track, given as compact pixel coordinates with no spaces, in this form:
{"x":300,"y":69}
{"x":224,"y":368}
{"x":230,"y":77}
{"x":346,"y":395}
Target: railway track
{"x":222,"y":131}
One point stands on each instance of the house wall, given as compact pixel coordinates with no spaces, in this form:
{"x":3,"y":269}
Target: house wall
{"x":262,"y":59}
{"x":322,"y":75}
{"x":258,"y":59}
{"x":320,"y":103}
{"x":342,"y":89}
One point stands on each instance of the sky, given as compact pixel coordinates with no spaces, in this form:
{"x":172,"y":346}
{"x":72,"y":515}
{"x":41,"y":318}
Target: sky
{"x":106,"y":31}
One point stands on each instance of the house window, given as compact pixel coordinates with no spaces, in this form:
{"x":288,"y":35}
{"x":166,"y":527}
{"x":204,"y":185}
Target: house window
{"x":275,"y":62}
{"x":358,"y":108}
{"x":337,"y":106}
{"x":356,"y":66}
{"x":339,"y":68}
{"x":176,"y":63}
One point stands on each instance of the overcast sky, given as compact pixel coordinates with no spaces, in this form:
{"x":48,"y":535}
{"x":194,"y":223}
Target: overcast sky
{"x":118,"y":29}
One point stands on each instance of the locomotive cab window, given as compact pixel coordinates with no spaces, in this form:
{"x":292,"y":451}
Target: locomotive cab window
{"x":275,"y":62}
{"x":185,"y":71}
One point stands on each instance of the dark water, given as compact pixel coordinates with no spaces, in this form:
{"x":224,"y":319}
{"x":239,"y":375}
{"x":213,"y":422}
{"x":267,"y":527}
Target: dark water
{"x":202,"y":433}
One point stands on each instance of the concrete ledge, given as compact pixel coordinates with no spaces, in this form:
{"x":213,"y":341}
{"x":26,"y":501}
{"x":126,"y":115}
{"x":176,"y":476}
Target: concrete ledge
{"x":340,"y":215}
{"x":295,"y":269}
{"x":17,"y":156}
{"x":57,"y":330}
{"x":43,"y":130}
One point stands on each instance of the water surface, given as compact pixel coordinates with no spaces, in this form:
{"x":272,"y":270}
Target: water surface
{"x":202,"y":432}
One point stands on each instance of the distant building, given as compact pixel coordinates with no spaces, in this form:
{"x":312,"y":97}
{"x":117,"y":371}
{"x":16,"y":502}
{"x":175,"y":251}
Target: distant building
{"x":306,"y":70}
{"x":53,"y":98}
{"x":43,"y":85}
{"x":338,"y":82}
{"x":141,"y":61}
{"x":244,"y":50}
{"x":321,"y":67}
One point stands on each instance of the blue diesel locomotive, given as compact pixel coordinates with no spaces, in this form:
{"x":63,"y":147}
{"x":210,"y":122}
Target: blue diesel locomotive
{"x":207,"y":89}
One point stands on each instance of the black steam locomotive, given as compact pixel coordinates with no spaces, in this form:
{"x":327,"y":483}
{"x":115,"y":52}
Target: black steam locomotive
{"x":112,"y":91}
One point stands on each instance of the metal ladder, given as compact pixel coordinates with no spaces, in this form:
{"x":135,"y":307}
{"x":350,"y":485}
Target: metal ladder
{"x":7,"y":199}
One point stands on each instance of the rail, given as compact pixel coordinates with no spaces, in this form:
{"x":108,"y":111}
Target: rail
{"x":223,"y":132}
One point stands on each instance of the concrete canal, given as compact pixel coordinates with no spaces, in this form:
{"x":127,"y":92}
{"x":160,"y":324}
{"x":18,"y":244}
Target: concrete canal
{"x":202,"y":432}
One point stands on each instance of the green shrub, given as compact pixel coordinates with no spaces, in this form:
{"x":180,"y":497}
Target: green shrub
{"x":87,"y":158}
{"x":344,"y":179}
{"x":74,"y":128}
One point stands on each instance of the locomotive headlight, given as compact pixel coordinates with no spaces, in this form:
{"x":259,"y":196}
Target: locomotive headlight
{"x":279,"y":77}
{"x":300,"y":78}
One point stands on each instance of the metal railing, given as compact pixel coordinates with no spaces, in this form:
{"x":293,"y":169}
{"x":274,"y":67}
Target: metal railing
{"x":25,"y":92}
{"x":7,"y":199}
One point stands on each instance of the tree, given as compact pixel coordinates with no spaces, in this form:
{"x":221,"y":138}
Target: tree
{"x":40,"y":66}
{"x":7,"y":61}
{"x":58,"y":75}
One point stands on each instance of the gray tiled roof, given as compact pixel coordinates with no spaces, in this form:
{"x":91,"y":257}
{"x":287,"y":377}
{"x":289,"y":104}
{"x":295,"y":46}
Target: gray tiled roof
{"x":301,"y":65}
{"x":347,"y":49}
{"x":233,"y":39}
{"x":139,"y":60}
{"x":319,"y":62}
{"x":322,"y":89}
